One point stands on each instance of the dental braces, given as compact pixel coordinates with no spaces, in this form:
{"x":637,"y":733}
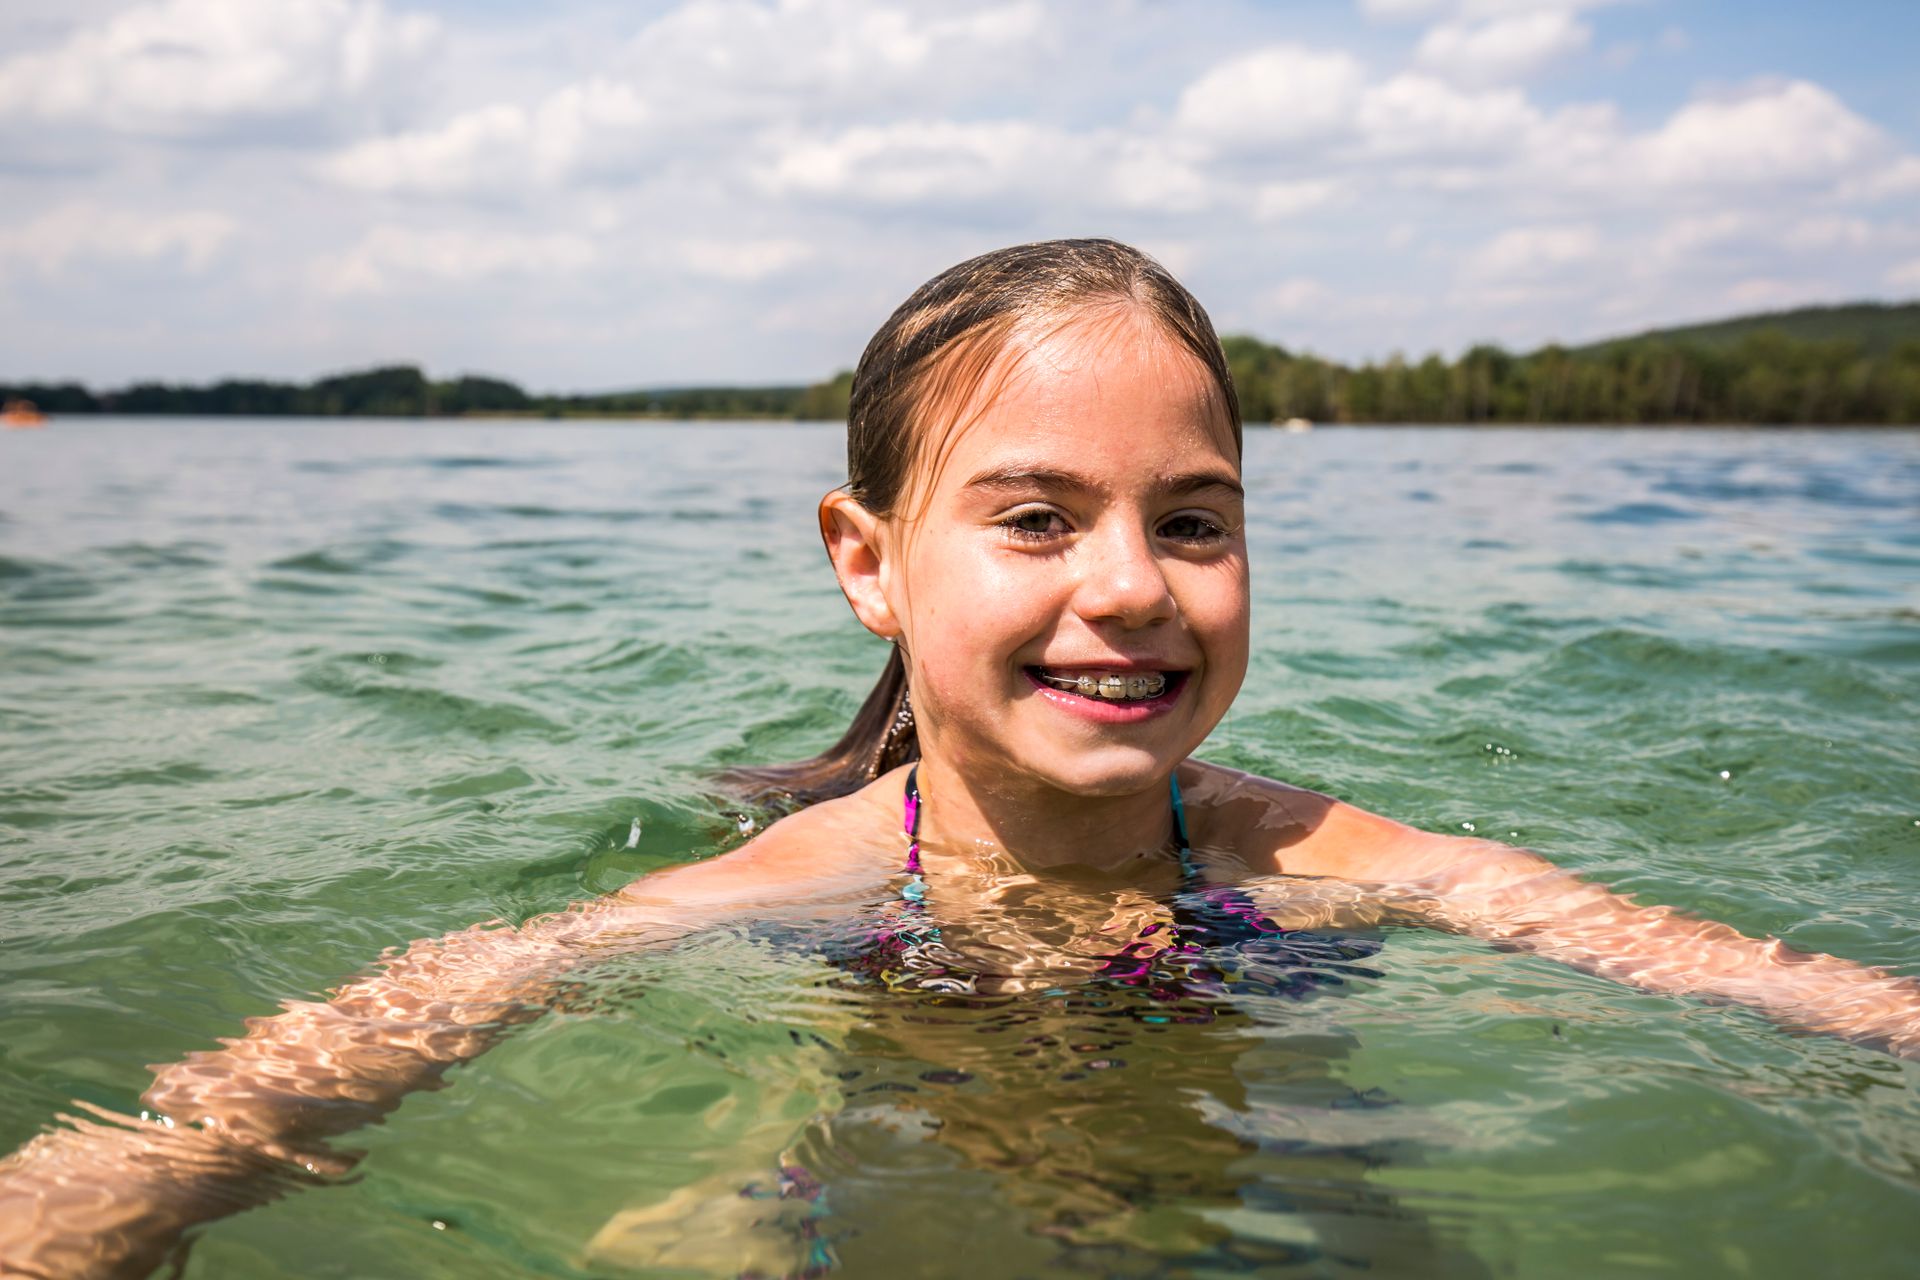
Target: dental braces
{"x":1113,"y":688}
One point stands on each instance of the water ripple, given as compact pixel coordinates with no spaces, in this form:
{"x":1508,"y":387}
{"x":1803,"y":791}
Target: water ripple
{"x":322,"y":692}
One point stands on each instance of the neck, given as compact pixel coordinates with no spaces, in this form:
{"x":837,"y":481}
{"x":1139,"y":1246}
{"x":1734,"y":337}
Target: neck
{"x":1039,"y":826}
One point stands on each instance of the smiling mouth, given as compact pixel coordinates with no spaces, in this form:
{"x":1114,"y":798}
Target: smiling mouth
{"x":1107,"y":686}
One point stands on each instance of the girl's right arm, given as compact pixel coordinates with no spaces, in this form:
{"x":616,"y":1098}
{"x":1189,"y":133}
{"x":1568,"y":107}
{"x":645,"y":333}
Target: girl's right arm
{"x":241,"y":1125}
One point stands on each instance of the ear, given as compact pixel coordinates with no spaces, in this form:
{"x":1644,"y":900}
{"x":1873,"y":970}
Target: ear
{"x":861,"y":547}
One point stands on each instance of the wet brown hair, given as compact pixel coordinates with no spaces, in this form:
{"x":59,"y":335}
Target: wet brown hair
{"x":933,"y":350}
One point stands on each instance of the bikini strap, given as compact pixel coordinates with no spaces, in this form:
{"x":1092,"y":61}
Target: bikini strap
{"x":910,"y":822}
{"x":1188,"y":869}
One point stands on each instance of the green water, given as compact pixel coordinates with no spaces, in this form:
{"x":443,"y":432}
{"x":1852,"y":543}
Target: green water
{"x":275,"y":696}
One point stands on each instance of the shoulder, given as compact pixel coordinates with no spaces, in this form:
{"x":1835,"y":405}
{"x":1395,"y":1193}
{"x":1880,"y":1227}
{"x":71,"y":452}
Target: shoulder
{"x":1274,"y":828}
{"x":836,"y":845}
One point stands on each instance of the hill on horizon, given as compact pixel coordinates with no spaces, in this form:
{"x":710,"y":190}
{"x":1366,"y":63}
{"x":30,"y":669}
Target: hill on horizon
{"x":1877,"y":326}
{"x":1851,"y":363}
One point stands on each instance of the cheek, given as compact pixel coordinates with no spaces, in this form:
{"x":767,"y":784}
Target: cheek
{"x":967,"y":614}
{"x":1222,"y":613}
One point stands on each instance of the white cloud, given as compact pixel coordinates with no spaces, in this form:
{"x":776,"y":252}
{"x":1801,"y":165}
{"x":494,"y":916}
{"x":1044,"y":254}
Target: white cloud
{"x":1278,"y":201}
{"x":999,"y":165}
{"x":1505,"y":49}
{"x":391,"y":258}
{"x":1405,"y":10}
{"x":1400,"y":10}
{"x":1686,"y":238}
{"x":597,"y":127}
{"x":1898,"y":178}
{"x":1299,"y":294}
{"x":742,"y":260}
{"x":83,"y":233}
{"x":1147,"y":176}
{"x":714,"y":82}
{"x":739,"y":58}
{"x":1767,"y":292}
{"x":1828,"y":231}
{"x":1414,"y":114}
{"x":182,"y":68}
{"x":1527,"y":252}
{"x":1905,"y":276}
{"x":1674,"y":40}
{"x":1788,"y":133}
{"x":1272,"y":97}
{"x":912,"y":162}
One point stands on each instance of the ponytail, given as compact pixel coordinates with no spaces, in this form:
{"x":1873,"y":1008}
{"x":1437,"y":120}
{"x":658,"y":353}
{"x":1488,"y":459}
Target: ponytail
{"x":881,"y":737}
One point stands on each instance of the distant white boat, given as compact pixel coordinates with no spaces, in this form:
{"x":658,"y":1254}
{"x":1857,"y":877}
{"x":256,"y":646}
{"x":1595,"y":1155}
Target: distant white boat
{"x":1297,"y":425}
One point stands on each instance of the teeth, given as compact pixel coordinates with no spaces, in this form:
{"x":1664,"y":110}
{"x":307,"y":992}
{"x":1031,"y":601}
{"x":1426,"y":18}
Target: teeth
{"x":1112,"y":687}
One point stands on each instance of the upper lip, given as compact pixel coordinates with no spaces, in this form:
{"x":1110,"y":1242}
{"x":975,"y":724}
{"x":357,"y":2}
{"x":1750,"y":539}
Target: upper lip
{"x":1143,"y":665}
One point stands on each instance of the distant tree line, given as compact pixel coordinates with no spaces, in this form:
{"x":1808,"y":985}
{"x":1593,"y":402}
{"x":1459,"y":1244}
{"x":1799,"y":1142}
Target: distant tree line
{"x":403,"y":391}
{"x":1734,"y":371}
{"x":1762,"y":377}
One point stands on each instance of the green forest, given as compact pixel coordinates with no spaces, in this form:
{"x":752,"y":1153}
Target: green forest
{"x":1857,"y":364}
{"x":1853,"y":364}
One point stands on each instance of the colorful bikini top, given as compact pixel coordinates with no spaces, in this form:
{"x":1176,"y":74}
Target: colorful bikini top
{"x":1185,"y":955}
{"x":1217,"y":943}
{"x":916,"y":887}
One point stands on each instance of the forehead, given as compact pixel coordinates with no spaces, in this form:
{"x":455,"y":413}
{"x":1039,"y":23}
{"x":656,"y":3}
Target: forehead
{"x":1108,"y":392}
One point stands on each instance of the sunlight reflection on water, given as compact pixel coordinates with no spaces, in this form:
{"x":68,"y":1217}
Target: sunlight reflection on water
{"x":276,"y":696}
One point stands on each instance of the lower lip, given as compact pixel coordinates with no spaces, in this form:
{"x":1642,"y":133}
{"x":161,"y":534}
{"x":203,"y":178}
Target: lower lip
{"x":1103,"y":712}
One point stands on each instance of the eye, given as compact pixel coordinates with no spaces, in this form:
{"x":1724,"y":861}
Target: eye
{"x":1035,"y":524}
{"x":1192,"y":527}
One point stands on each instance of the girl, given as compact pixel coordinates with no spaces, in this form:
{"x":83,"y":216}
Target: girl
{"x":1044,"y":515}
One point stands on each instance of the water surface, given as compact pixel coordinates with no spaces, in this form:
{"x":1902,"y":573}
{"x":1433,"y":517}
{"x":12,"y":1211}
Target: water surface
{"x":277,"y":695}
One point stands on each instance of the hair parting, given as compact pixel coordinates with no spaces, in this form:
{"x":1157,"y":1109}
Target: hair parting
{"x":926,"y":361}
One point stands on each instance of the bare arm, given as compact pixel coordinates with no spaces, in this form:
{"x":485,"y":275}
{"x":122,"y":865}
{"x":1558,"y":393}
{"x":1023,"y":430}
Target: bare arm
{"x":1520,"y":899}
{"x":241,"y":1125}
{"x":1391,"y":873}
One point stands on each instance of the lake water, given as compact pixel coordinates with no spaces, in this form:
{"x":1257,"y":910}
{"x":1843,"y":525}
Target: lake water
{"x":276,"y":695}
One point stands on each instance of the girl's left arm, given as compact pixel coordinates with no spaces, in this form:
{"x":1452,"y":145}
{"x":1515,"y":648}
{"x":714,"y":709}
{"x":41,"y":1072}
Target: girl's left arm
{"x":1520,"y":900}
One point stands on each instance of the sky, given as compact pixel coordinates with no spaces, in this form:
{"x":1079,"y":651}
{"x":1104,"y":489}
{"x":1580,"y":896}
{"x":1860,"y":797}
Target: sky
{"x":588,"y":196}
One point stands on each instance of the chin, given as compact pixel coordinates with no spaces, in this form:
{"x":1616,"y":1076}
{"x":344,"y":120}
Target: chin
{"x":1121,"y":772}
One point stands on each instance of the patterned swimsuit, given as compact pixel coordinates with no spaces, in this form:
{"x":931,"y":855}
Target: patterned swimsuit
{"x":1217,"y":943}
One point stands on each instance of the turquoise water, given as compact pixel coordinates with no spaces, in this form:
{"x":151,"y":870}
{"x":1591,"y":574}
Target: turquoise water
{"x":275,"y":696}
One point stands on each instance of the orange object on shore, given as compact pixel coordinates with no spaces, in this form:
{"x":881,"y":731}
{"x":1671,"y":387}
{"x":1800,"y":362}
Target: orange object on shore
{"x":22,"y":413}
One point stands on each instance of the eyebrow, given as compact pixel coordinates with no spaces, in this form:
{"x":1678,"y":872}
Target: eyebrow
{"x":1020,"y":476}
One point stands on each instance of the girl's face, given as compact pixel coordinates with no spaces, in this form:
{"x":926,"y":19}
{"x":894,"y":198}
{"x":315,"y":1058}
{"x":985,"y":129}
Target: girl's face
{"x":1084,"y":525}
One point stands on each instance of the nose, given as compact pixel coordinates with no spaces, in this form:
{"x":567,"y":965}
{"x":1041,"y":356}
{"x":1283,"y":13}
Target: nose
{"x":1120,"y":579}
